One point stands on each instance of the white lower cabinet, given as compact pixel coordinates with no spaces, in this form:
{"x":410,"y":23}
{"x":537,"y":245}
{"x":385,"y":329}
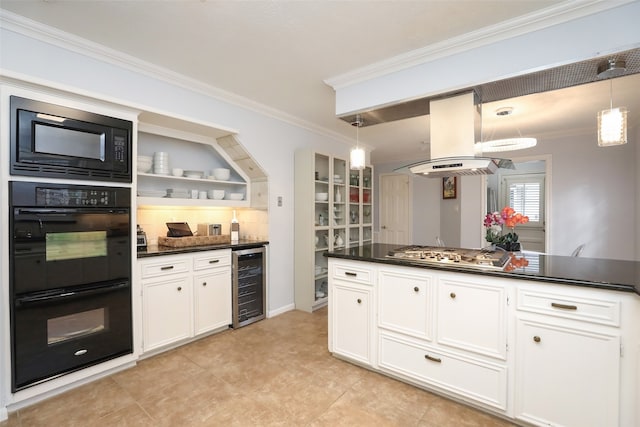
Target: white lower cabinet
{"x":184,"y":296}
{"x":542,"y":354}
{"x":166,"y":310}
{"x":568,"y":366}
{"x":475,"y":379}
{"x":351,"y":313}
{"x":212,"y":291}
{"x":472,"y":315}
{"x":405,"y":301}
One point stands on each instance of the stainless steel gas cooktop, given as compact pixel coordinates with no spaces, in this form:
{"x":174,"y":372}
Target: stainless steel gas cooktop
{"x":483,"y":259}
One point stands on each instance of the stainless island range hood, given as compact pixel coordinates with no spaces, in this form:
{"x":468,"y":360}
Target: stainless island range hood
{"x":456,"y":125}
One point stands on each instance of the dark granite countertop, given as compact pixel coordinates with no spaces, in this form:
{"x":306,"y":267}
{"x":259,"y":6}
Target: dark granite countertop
{"x":154,"y":250}
{"x":616,"y":275}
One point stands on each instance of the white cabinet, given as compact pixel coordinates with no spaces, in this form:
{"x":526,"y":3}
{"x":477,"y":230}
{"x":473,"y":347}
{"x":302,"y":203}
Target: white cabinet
{"x":573,"y":352}
{"x":351,"y":312}
{"x":184,"y":296}
{"x":472,"y":315}
{"x":405,"y":301}
{"x":568,"y":371}
{"x":320,"y":223}
{"x":212,"y":291}
{"x":166,"y":303}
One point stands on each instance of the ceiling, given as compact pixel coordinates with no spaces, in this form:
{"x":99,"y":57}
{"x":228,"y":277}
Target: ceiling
{"x":279,"y":53}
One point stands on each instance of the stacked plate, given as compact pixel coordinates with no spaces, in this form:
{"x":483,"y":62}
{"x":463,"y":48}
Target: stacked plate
{"x":175,"y":193}
{"x":161,"y":163}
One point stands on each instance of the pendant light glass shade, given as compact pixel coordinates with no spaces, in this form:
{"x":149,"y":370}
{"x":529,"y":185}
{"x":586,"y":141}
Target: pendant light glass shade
{"x":357,"y":158}
{"x":612,"y":127}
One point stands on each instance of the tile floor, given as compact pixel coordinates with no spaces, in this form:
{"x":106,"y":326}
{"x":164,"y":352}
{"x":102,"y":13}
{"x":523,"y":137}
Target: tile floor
{"x":276,"y":372}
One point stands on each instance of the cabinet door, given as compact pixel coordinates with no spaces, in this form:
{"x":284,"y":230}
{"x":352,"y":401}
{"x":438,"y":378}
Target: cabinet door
{"x":472,"y":317}
{"x":566,"y":376}
{"x":405,"y":302}
{"x":166,"y":311}
{"x":351,"y":322}
{"x":212,"y":295}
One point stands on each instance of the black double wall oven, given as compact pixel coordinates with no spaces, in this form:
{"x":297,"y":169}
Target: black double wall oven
{"x":70,"y":278}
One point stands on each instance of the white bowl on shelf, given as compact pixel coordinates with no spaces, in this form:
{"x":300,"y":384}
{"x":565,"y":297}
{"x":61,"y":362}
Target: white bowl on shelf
{"x":216,"y":194}
{"x":236,"y":196}
{"x":144,"y":163}
{"x":221,"y":174}
{"x":193,"y":174}
{"x":322,"y":197}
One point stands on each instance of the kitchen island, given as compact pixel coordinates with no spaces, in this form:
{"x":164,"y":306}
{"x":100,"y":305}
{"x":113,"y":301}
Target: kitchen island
{"x":548,"y":340}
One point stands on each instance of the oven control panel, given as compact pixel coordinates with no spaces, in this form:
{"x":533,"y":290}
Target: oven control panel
{"x":49,"y":195}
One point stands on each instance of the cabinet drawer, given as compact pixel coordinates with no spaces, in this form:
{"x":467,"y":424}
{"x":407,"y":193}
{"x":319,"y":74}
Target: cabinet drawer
{"x":478,"y":380}
{"x":595,"y":310}
{"x":353,"y":273}
{"x":212,"y":260}
{"x":165,"y":266}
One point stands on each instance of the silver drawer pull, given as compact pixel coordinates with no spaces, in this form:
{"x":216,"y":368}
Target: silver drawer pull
{"x":213,"y":261}
{"x":348,"y":273}
{"x":80,"y":352}
{"x":433,"y":359}
{"x":168,"y":267}
{"x":563,"y":306}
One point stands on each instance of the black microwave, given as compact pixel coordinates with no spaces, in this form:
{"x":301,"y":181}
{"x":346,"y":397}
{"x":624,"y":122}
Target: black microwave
{"x":50,"y":140}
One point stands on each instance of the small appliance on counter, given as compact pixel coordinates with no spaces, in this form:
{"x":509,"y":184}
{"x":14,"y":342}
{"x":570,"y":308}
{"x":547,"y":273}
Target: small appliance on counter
{"x":178,"y":229}
{"x":141,"y":239}
{"x":209,"y":229}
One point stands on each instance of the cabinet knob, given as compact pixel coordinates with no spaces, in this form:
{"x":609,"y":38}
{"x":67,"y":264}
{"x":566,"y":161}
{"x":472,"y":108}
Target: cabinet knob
{"x":179,"y":288}
{"x":452,"y":295}
{"x":204,"y":283}
{"x":359,"y":301}
{"x":416,"y":289}
{"x":536,"y":338}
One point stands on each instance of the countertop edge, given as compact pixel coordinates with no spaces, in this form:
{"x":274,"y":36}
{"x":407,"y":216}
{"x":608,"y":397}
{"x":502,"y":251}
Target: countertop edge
{"x":166,"y":250}
{"x":503,"y":274}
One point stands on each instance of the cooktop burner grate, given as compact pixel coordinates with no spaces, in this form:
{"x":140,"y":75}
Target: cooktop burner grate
{"x":484,"y":259}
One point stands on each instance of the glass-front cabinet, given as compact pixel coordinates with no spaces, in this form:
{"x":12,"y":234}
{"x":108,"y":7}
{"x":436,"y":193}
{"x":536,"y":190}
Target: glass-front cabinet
{"x":334,"y":222}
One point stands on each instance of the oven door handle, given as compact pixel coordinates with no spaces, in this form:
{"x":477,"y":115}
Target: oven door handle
{"x":54,"y":211}
{"x":67,"y":294}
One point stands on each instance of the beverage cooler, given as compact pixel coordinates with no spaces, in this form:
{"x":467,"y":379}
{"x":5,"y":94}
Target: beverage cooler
{"x":249,"y":284}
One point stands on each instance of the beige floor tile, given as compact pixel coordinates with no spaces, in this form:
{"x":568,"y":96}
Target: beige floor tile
{"x":277,"y":372}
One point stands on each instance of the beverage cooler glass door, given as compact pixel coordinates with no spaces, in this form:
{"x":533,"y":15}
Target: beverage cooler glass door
{"x":249,"y":303}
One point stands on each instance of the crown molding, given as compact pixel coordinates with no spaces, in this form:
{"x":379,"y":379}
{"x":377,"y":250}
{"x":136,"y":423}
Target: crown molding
{"x":557,"y":14}
{"x":44,"y":33}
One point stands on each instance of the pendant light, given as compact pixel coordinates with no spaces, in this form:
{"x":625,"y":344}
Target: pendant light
{"x":612,"y":123}
{"x":357,"y":156}
{"x":505,"y":144}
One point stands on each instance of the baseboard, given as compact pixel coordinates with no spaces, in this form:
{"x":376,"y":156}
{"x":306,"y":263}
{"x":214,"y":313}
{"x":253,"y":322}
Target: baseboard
{"x":273,"y":313}
{"x":3,"y":414}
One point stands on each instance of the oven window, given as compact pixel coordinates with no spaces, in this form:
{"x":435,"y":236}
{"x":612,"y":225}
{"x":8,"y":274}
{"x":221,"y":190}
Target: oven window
{"x":69,"y":142}
{"x":64,"y":328}
{"x":76,"y":245}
